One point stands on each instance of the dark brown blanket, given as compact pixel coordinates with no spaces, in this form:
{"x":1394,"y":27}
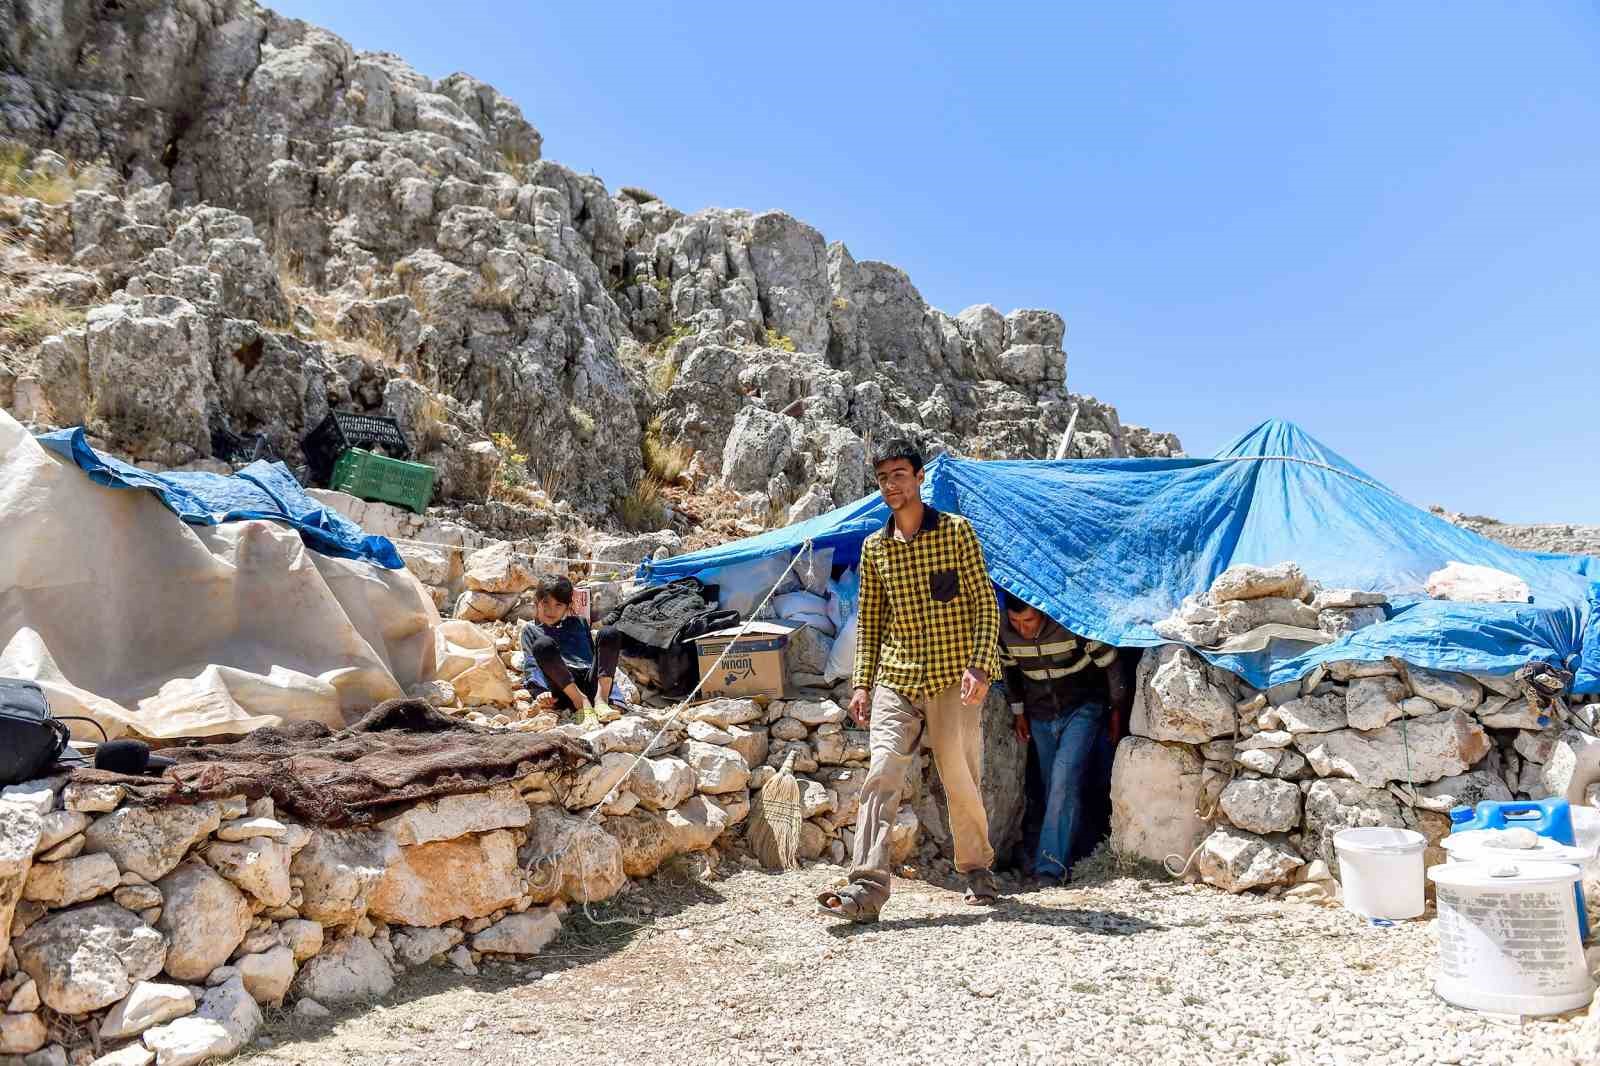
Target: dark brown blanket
{"x":401,"y":752}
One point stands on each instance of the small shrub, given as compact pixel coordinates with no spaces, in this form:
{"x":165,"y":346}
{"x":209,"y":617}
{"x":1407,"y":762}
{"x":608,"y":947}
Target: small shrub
{"x":512,"y":482}
{"x":666,"y":462}
{"x":780,"y":341}
{"x":25,"y":324}
{"x":16,"y":181}
{"x":643,"y":509}
{"x":841,"y":304}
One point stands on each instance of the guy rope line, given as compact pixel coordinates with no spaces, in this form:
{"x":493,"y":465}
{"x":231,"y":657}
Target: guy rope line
{"x":549,"y":861}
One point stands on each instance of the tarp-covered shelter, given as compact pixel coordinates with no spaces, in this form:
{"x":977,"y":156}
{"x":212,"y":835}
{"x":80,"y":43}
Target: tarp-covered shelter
{"x":1111,"y":546}
{"x":198,"y":605}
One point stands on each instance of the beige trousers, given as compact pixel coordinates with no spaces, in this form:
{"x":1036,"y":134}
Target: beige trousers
{"x":955,"y":733}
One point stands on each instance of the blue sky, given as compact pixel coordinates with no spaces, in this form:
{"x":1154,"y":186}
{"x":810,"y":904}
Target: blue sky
{"x":1380,"y":221}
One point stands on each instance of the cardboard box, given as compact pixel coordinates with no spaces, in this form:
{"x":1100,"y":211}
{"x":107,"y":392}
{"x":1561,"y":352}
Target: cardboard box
{"x":754,"y":664}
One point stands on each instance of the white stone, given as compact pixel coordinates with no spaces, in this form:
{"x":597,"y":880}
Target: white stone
{"x":21,"y":1034}
{"x":709,"y":734}
{"x":1235,"y":860}
{"x":259,"y":867}
{"x":89,"y":957}
{"x":751,"y":742}
{"x":1261,"y":760}
{"x":130,"y":1055}
{"x":1262,"y":806}
{"x":1347,"y":599}
{"x":267,"y":975}
{"x":593,"y":783}
{"x":1175,"y":699}
{"x":1504,"y":712}
{"x":461,"y":959}
{"x":150,"y":841}
{"x":339,"y":868}
{"x":309,"y":1012}
{"x":414,"y":946}
{"x":520,"y":934}
{"x":1267,"y":738}
{"x":1573,"y":765}
{"x":1446,"y":689}
{"x":787,"y":728}
{"x":662,"y":784}
{"x":726,"y":712}
{"x":813,"y":713}
{"x":25,"y":999}
{"x":1467,"y":583}
{"x":1314,"y":714}
{"x":1439,"y":745}
{"x":61,"y":884}
{"x":204,"y":919}
{"x":352,"y":970}
{"x":59,"y":826}
{"x":903,"y":835}
{"x":1373,"y":702}
{"x":1334,"y":804}
{"x":67,"y":849}
{"x":148,"y":1004}
{"x":40,"y":794}
{"x":302,"y":937}
{"x":716,"y":769}
{"x":1467,"y":790}
{"x":1153,"y":791}
{"x":449,"y":817}
{"x":629,"y":735}
{"x":93,"y":799}
{"x":246,"y":828}
{"x":226,"y":1020}
{"x":1246,"y":582}
{"x":20,"y":826}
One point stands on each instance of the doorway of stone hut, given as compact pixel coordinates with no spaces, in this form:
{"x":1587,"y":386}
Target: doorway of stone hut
{"x":1094,"y":789}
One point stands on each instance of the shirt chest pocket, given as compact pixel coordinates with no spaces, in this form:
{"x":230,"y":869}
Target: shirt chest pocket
{"x":944,"y":586}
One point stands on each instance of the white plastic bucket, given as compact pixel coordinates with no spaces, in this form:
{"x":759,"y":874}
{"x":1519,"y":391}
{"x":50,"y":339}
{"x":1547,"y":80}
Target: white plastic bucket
{"x":1380,"y":871}
{"x":1508,"y":938}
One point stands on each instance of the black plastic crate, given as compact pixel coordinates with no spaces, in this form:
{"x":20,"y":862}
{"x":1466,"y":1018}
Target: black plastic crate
{"x":343,"y":430}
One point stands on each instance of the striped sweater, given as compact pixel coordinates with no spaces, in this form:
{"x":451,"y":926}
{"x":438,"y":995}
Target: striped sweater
{"x":1053,"y":672}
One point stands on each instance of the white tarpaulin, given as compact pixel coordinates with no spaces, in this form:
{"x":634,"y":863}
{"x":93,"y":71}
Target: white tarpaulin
{"x":123,"y":612}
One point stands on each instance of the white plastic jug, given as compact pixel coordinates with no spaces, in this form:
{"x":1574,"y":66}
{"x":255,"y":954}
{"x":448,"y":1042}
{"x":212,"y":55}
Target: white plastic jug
{"x":1508,"y":938}
{"x":1380,"y":871}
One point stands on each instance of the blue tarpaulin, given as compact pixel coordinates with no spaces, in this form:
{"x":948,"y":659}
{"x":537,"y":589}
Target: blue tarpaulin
{"x":260,"y":490}
{"x":1110,"y":546}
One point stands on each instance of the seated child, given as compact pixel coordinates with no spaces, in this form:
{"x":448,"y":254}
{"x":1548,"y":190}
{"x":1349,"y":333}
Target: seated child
{"x":560,"y":655}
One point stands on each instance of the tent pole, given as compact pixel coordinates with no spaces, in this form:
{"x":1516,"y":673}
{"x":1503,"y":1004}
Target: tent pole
{"x":1066,"y":438}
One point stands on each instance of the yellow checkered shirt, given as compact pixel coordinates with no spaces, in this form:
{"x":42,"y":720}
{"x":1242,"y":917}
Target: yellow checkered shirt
{"x":927,"y":610}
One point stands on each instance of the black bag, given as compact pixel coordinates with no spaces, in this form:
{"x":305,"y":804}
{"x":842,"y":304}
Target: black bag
{"x":658,"y":627}
{"x":30,"y":740}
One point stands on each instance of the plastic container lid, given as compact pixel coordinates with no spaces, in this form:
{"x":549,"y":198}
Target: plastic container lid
{"x":1379,"y":840}
{"x":1475,"y":845}
{"x":1502,"y":874}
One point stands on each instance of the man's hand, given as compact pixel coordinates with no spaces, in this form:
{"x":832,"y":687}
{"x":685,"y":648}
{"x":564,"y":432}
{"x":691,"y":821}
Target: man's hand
{"x":1019,"y":726}
{"x":861,"y":707}
{"x":974,"y":687}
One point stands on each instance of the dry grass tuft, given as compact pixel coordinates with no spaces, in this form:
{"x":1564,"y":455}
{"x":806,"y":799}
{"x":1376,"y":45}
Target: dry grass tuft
{"x":27,"y":322}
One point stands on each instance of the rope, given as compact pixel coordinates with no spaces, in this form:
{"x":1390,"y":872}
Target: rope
{"x":549,"y":860}
{"x":1308,"y":462}
{"x":1208,"y":817}
{"x":524,"y":555}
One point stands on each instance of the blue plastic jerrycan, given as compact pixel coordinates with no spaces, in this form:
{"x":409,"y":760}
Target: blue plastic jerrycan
{"x":1550,"y":818}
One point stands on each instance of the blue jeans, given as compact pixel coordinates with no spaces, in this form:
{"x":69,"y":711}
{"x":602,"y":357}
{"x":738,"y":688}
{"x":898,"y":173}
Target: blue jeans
{"x":1064,"y":745}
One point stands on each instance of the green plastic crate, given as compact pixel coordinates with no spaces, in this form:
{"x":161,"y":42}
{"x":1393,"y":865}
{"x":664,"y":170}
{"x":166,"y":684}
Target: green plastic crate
{"x":377,"y":477}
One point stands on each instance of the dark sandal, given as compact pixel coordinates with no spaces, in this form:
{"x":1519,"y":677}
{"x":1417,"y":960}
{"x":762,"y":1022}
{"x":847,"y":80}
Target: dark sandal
{"x":981,"y":891}
{"x":847,"y":903}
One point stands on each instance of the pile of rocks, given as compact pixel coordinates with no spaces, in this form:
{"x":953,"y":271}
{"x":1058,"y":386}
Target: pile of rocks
{"x":139,"y":933}
{"x":1260,"y":781}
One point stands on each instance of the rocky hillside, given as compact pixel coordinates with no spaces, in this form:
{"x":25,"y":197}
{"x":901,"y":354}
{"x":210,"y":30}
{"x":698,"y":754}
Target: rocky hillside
{"x":1558,"y":537}
{"x":219,"y":223}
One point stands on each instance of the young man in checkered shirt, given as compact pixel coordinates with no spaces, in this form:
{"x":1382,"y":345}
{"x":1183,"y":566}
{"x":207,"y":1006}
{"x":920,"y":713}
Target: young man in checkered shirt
{"x":926,"y":651}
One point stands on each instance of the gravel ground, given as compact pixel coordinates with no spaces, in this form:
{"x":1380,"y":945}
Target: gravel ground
{"x":736,"y":967}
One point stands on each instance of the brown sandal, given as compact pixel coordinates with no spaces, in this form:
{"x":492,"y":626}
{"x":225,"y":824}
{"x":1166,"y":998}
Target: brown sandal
{"x":981,"y":891}
{"x":849,"y":903}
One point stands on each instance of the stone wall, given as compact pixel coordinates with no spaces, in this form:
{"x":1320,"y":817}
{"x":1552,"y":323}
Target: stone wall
{"x":1260,"y":781}
{"x":166,"y":930}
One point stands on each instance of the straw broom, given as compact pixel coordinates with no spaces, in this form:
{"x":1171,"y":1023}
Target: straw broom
{"x":774,"y":832}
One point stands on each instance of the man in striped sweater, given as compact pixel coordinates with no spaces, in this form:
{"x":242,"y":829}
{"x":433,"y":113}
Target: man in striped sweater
{"x":1064,"y":691}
